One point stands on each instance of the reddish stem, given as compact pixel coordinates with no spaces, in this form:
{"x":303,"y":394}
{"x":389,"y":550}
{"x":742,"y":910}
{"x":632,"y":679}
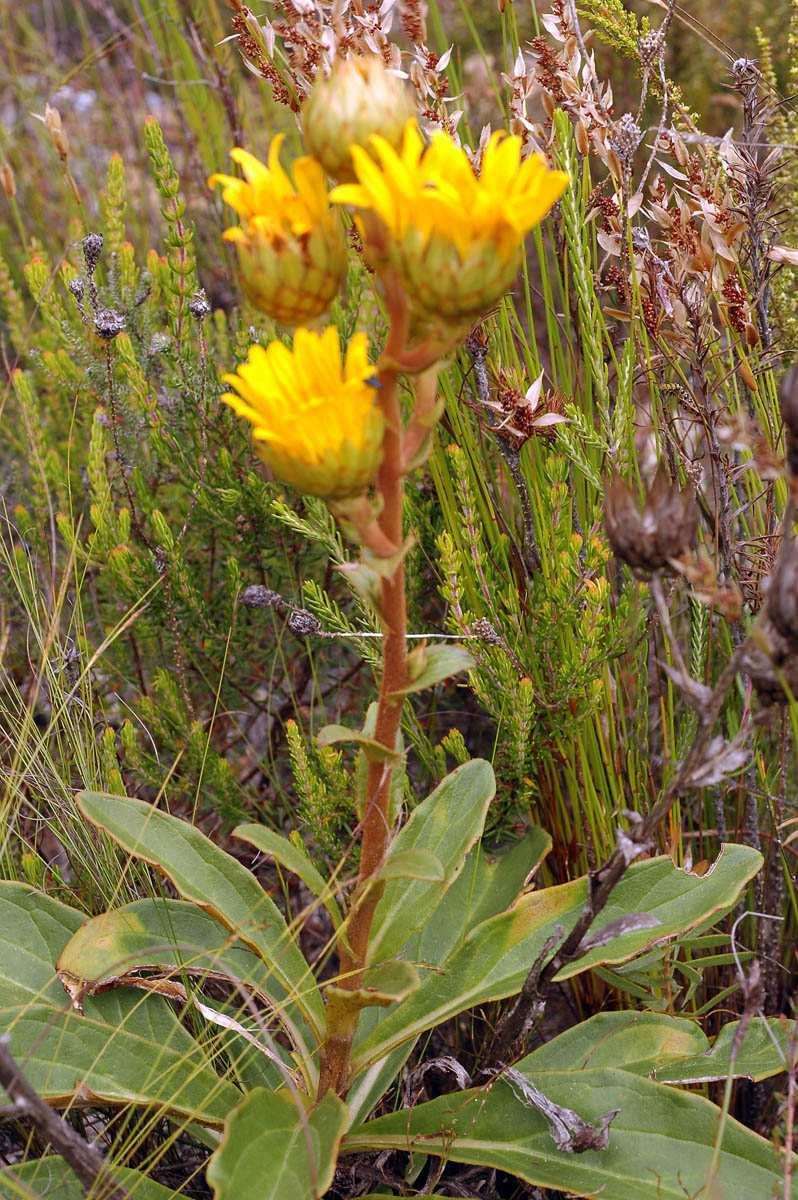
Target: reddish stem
{"x":376,"y":825}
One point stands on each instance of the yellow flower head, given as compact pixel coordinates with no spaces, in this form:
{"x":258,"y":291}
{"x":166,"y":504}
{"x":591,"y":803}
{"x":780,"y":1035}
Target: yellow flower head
{"x":315,"y":418}
{"x":456,"y":235}
{"x":290,"y":243}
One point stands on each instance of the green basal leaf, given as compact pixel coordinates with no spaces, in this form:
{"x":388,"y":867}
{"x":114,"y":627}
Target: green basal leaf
{"x":447,"y":824}
{"x":295,"y":859}
{"x":660,"y":1144}
{"x":486,"y":886}
{"x":53,"y":1178}
{"x":164,"y":936}
{"x":494,"y":958}
{"x":126,"y":1048}
{"x":273,"y":1149}
{"x":215,"y":881}
{"x":171,"y":940}
{"x":764,"y":1052}
{"x":640,"y":1042}
{"x":669,"y":1049}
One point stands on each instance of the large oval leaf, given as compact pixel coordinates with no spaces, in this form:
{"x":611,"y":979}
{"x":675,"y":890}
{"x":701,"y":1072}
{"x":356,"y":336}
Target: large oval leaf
{"x":493,"y":961}
{"x":164,"y":935}
{"x":274,"y":1150}
{"x":669,"y":1049}
{"x":126,"y":1048}
{"x":640,"y":1042}
{"x":208,"y":876}
{"x":486,"y":885}
{"x":447,"y":824}
{"x":679,"y":900}
{"x":660,"y":1144}
{"x":52,"y":1178}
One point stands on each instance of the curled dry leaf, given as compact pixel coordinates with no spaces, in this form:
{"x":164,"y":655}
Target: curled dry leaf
{"x":569,"y":1131}
{"x":720,"y":760}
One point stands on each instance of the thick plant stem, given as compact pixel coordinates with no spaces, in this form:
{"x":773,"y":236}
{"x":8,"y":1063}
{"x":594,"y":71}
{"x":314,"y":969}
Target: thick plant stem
{"x":376,"y":824}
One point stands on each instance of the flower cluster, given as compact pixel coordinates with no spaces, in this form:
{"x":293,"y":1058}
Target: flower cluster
{"x":448,"y":234}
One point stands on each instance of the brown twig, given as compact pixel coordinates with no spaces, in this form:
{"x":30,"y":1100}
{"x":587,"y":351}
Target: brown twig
{"x":88,"y":1164}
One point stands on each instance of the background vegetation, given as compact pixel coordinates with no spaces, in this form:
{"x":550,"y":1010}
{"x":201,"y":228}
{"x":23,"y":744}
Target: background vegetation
{"x":173,"y":625}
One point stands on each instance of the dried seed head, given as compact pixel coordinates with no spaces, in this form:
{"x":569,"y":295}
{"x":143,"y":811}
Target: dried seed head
{"x":258,"y":596}
{"x":664,"y":528}
{"x":52,"y":120}
{"x":782,"y":598}
{"x":92,"y":249}
{"x":199,"y":306}
{"x":770,"y":665}
{"x":482,"y":628}
{"x":7,"y":181}
{"x":624,"y":139}
{"x":108,"y":323}
{"x":303,"y":623}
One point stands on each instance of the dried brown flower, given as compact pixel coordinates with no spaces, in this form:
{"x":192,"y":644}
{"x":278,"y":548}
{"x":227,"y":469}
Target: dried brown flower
{"x":648,"y":538}
{"x":770,"y":666}
{"x":782,"y":598}
{"x":789,"y":414}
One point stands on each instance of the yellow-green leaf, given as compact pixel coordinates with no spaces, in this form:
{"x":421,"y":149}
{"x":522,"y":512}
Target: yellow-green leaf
{"x":494,"y":959}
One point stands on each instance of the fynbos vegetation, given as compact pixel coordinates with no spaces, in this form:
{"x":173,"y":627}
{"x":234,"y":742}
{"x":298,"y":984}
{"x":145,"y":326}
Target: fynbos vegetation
{"x":399,"y":601}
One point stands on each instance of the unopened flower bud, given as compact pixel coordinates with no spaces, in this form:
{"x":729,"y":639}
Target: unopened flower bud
{"x":359,"y":98}
{"x":77,"y":287}
{"x":7,"y":181}
{"x":664,"y":528}
{"x":92,"y":249}
{"x":52,"y":121}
